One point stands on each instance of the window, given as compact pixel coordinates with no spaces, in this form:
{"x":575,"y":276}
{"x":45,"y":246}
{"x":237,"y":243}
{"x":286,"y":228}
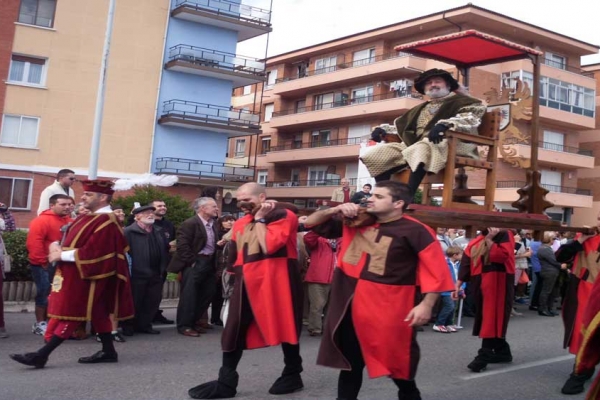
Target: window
{"x":295,"y":176}
{"x":323,"y":101}
{"x":269,"y":108}
{"x":326,"y":64}
{"x":300,"y":106}
{"x":16,"y":192}
{"x":297,"y":143}
{"x":362,"y":95}
{"x":556,"y":61}
{"x":29,"y":70}
{"x":261,"y":177}
{"x":316,"y":175}
{"x":37,"y":12}
{"x":551,"y":180}
{"x":265,"y":145}
{"x":554,"y":141}
{"x":271,"y":79}
{"x":247,"y":89}
{"x":19,"y":131}
{"x":363,"y":57}
{"x":240,"y":147}
{"x":358,"y":132}
{"x":320,"y":138}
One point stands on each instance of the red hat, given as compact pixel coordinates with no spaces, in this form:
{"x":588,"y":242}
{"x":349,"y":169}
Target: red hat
{"x":98,"y":186}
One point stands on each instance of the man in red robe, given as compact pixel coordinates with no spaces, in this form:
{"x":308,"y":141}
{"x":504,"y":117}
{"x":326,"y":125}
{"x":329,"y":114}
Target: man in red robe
{"x":488,"y":264}
{"x":91,"y":279}
{"x":589,"y":356}
{"x":266,"y":305}
{"x":371,"y":320}
{"x":584,"y":254}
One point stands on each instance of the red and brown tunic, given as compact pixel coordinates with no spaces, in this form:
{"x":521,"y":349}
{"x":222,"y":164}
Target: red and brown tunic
{"x":490,"y":272}
{"x":271,"y":281}
{"x":380,"y":269}
{"x":589,"y":356}
{"x":99,"y":277}
{"x":584,"y":272}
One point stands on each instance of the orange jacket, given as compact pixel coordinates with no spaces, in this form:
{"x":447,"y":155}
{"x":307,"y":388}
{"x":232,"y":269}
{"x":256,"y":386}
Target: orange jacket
{"x":44,"y":230}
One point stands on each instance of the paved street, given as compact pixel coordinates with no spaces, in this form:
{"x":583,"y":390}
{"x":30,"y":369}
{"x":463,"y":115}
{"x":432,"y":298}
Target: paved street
{"x":166,"y":365}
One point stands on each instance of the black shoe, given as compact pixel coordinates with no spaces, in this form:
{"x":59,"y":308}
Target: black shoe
{"x":159,"y":318}
{"x":100,"y":357}
{"x":545,"y":314}
{"x":117,"y":337}
{"x":217,"y":323}
{"x":533,"y":308}
{"x":574,"y":384}
{"x":414,"y":395}
{"x":554,"y":313}
{"x":223,"y":388}
{"x":484,"y":356}
{"x":287,"y":384}
{"x":31,"y":359}
{"x":149,"y":331}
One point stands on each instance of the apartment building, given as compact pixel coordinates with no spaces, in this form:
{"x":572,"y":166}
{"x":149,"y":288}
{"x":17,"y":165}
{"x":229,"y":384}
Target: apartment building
{"x":172,"y":68}
{"x":320,"y":103}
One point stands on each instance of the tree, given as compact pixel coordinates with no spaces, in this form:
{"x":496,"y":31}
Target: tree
{"x":179,"y":209}
{"x":15,"y":247}
{"x":419,"y":197}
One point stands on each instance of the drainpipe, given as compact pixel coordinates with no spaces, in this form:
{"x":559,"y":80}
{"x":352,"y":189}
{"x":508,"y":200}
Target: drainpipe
{"x":162,"y":70}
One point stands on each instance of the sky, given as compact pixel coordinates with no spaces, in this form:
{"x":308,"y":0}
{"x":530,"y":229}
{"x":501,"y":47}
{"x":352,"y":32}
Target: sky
{"x":302,"y":23}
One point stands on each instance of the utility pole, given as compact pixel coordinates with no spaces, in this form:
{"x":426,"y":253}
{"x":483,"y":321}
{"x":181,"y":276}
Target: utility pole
{"x":95,"y":147}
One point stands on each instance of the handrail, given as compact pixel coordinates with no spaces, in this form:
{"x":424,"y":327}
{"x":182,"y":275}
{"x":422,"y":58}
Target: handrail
{"x":552,"y":146}
{"x":344,"y":101}
{"x":217,"y":59}
{"x":205,"y":169}
{"x":295,"y":145}
{"x":229,"y":9}
{"x":211,"y":113}
{"x":350,"y":64}
{"x":551,"y":188}
{"x":310,"y":183}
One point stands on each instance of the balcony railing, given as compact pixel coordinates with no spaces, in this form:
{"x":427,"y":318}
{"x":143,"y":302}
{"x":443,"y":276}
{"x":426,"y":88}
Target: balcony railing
{"x":205,"y":169}
{"x":554,"y":147}
{"x":551,"y":188}
{"x":347,"y":102}
{"x":230,"y":9}
{"x":294,"y":145}
{"x":216,"y":59}
{"x":310,"y":182}
{"x":351,"y":64}
{"x":210,"y":113}
{"x":563,"y":66}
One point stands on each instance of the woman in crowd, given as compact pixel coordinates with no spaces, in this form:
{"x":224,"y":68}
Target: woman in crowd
{"x":549,"y":273}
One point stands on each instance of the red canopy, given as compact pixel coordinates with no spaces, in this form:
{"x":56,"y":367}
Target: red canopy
{"x":468,"y":49}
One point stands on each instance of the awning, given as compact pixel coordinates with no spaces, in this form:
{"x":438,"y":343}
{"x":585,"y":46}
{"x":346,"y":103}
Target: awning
{"x":468,"y":49}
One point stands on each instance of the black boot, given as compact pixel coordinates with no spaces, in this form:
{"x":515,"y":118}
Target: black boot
{"x":290,"y":380}
{"x":502,"y":354}
{"x":30,"y":359}
{"x":223,"y":388}
{"x":481,"y":361}
{"x":416,"y":177}
{"x":574,"y":384}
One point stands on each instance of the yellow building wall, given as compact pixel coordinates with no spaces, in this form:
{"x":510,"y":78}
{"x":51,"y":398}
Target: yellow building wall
{"x":67,"y":105}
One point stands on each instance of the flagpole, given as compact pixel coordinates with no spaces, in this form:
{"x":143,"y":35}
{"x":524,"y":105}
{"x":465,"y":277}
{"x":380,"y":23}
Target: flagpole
{"x":95,"y":145}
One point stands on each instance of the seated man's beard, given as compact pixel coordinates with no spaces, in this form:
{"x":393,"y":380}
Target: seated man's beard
{"x":437,"y":93}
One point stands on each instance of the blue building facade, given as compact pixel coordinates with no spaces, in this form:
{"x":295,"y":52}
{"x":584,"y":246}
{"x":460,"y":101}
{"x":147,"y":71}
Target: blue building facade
{"x":201,"y":69}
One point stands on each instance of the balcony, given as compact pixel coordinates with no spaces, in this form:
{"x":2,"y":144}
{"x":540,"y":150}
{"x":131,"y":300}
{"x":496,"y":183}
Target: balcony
{"x":248,"y":21}
{"x":209,"y":117}
{"x":389,"y":105}
{"x":307,"y":189}
{"x":555,"y":154}
{"x":561,"y":196}
{"x":240,"y":70}
{"x":205,"y":170}
{"x":384,"y":67}
{"x":322,"y":150}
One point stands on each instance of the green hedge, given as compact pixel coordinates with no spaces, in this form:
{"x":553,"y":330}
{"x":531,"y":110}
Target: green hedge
{"x":15,"y":246}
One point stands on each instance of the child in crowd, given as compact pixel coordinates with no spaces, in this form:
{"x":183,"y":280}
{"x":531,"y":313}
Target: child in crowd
{"x":444,"y":321}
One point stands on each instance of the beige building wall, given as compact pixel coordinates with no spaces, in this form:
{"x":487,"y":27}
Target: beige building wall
{"x":66,"y":105}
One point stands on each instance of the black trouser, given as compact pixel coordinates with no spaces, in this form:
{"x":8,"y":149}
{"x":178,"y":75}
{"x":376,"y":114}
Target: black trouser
{"x":147,"y":294}
{"x":535,"y":296}
{"x":217,"y":302}
{"x":231,"y":359}
{"x":197,"y":289}
{"x":549,"y":290}
{"x":350,"y":382}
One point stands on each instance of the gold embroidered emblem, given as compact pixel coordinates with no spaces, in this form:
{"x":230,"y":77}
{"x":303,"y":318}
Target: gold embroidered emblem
{"x":57,"y":282}
{"x":248,"y":237}
{"x":366,"y":242}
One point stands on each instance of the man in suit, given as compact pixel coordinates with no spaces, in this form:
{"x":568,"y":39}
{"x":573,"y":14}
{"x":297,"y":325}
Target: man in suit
{"x":195,"y":258}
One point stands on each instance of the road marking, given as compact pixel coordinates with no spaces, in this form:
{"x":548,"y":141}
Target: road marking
{"x":518,"y":367}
